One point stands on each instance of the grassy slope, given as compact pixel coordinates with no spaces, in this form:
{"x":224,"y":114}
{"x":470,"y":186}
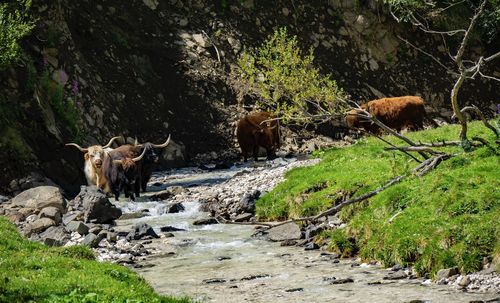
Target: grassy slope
{"x":449,"y":217}
{"x":31,"y":272}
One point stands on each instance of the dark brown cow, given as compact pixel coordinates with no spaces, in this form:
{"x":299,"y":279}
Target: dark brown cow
{"x":252,"y":132}
{"x":122,"y":174}
{"x":147,"y":163}
{"x":396,"y":113}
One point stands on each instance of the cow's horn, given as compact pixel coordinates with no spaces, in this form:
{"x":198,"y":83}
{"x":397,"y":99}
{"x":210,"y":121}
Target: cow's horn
{"x":118,"y":162}
{"x":83,"y":150}
{"x":162,"y":145}
{"x":136,"y":142}
{"x":111,"y":142}
{"x":140,"y":157}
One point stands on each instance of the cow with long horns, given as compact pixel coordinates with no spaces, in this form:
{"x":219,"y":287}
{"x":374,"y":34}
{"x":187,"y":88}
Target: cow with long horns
{"x":255,"y":130}
{"x":147,"y":163}
{"x":122,"y":173}
{"x":94,"y":157}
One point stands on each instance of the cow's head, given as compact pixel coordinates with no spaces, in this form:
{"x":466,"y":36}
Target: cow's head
{"x":95,"y":153}
{"x":152,"y":156}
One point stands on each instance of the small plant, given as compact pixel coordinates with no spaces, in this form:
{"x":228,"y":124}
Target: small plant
{"x":15,"y":23}
{"x":284,"y":80}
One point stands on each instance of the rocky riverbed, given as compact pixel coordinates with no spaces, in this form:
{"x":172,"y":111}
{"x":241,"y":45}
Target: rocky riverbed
{"x":171,"y":237}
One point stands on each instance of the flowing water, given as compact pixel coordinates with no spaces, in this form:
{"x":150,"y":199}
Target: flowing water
{"x":224,"y":263}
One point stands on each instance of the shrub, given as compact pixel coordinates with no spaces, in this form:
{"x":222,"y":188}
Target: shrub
{"x":15,"y":23}
{"x":284,"y":80}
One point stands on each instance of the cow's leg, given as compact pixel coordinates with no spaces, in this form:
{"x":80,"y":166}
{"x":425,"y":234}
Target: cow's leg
{"x":271,"y":155}
{"x":256,"y":153}
{"x":245,"y":155}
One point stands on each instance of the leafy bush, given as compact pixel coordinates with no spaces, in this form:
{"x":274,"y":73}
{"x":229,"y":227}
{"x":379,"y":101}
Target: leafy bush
{"x":15,"y":23}
{"x":285,"y":80}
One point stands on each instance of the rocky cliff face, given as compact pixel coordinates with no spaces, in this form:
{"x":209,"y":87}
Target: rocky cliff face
{"x":150,"y":68}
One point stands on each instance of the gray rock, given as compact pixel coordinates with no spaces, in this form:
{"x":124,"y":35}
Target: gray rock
{"x":95,"y":230}
{"x":313,"y":230}
{"x":140,"y":231}
{"x":205,"y":221}
{"x":247,"y":202}
{"x":40,"y":197}
{"x":78,"y":226}
{"x":396,"y":275}
{"x":288,"y":231}
{"x":55,"y":236}
{"x":311,"y":246}
{"x":447,"y":272}
{"x":3,"y":199}
{"x":174,"y":208}
{"x":162,"y":195}
{"x":134,"y":215}
{"x":243,"y":217}
{"x":51,"y":212}
{"x":464,"y":281}
{"x":68,"y":217}
{"x":91,"y":240}
{"x":96,"y":206}
{"x":38,"y":226}
{"x":201,"y":40}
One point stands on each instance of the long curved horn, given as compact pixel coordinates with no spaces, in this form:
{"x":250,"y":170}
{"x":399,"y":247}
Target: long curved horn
{"x":140,"y":157}
{"x":162,"y":145}
{"x":136,"y":142}
{"x":83,"y":150}
{"x":111,"y":142}
{"x":118,"y":162}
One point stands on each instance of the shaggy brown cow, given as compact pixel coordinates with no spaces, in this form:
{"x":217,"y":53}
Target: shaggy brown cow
{"x":396,"y":113}
{"x":252,"y":132}
{"x":94,"y":157}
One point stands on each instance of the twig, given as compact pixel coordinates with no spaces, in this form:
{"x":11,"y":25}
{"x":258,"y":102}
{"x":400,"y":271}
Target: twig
{"x":482,"y":117}
{"x":224,"y":221}
{"x":213,"y":43}
{"x":394,"y":216}
{"x":405,"y":152}
{"x":413,"y":148}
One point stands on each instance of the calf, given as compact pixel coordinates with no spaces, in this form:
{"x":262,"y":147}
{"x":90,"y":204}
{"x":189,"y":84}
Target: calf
{"x":396,"y":113}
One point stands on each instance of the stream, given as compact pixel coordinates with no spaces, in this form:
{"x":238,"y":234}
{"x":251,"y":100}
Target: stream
{"x":225,"y":263}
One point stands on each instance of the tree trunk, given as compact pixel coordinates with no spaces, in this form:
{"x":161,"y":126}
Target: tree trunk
{"x":456,"y":109}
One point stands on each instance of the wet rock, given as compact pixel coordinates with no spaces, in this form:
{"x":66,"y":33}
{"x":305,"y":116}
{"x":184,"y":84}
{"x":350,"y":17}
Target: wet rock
{"x":445,"y":273}
{"x":396,"y":275}
{"x":162,"y":195}
{"x":288,"y":243}
{"x":253,"y":277}
{"x":397,"y":267}
{"x":40,"y":197}
{"x":214,"y":280}
{"x":243,"y":217}
{"x":55,"y":236}
{"x":96,"y":206}
{"x":205,"y":221}
{"x":3,"y":199}
{"x":223,"y":258}
{"x":311,"y":246}
{"x":313,"y":230}
{"x":141,"y":231}
{"x":51,"y":212}
{"x":174,"y":208}
{"x":77,"y":226}
{"x":294,"y":289}
{"x":134,"y":215}
{"x":170,"y":229}
{"x":288,"y":231}
{"x":334,"y":281}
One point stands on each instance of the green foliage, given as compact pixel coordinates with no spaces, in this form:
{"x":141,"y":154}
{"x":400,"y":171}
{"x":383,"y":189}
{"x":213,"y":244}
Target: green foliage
{"x":15,"y":23}
{"x":65,"y":108}
{"x":445,"y":218}
{"x":341,"y":243}
{"x":450,"y":15}
{"x":32,"y":272}
{"x":285,"y":80}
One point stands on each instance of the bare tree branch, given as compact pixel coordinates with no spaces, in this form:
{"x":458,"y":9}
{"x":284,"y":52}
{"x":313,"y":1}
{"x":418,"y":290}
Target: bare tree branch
{"x":475,"y":109}
{"x":427,"y":54}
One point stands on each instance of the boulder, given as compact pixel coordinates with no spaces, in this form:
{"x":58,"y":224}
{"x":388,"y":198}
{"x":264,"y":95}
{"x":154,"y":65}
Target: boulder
{"x":141,"y":230}
{"x":446,"y":273}
{"x":77,"y":226}
{"x":174,"y":208}
{"x":96,"y":206}
{"x":51,"y":212}
{"x":40,"y":197}
{"x":205,"y":221}
{"x":55,"y":236}
{"x":288,"y":231}
{"x":38,"y":226}
{"x":247,"y":202}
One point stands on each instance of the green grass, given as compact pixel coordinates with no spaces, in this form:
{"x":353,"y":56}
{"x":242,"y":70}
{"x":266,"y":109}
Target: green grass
{"x":449,"y":217}
{"x":32,"y":272}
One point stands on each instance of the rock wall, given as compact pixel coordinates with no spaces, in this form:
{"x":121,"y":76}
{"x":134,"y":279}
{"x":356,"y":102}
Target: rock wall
{"x":150,"y":68}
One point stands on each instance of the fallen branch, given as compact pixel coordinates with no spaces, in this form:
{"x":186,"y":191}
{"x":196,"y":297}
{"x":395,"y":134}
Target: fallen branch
{"x":213,"y":44}
{"x":414,"y":148}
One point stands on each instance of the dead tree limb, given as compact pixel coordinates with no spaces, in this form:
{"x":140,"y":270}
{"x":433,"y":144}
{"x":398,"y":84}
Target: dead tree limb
{"x":405,"y":152}
{"x":414,"y":148}
{"x":475,"y":109}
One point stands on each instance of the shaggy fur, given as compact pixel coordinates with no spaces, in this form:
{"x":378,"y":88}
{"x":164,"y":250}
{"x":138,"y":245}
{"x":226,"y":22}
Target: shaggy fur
{"x":251,"y":135}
